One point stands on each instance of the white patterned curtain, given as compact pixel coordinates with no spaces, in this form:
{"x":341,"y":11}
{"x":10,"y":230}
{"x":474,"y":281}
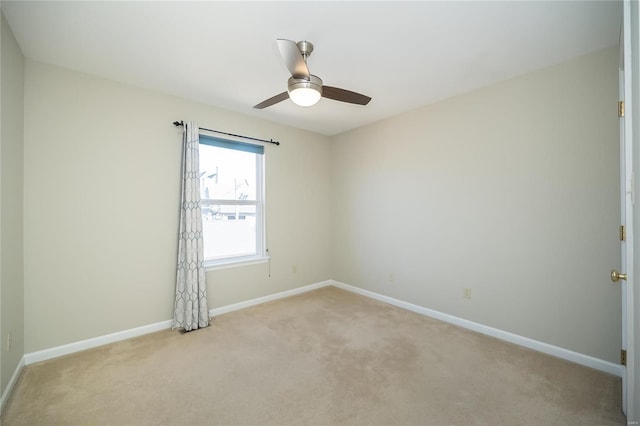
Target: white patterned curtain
{"x":191,"y":310}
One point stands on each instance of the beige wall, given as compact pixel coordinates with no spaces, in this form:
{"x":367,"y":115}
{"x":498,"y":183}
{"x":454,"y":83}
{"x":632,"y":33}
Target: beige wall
{"x":11,"y":181}
{"x":102,"y":165}
{"x":511,"y":191}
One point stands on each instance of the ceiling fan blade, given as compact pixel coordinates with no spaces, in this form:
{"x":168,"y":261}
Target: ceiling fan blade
{"x":293,"y":59}
{"x":273,"y":100}
{"x":343,"y":95}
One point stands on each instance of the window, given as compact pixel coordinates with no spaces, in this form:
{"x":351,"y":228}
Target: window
{"x":232,"y":194}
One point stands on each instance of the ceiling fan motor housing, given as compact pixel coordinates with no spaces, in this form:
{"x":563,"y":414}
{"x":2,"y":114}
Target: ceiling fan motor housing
{"x":314,"y":82}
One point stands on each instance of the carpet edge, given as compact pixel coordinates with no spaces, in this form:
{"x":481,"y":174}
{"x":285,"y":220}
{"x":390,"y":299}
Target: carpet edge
{"x":569,"y":355}
{"x":546,"y":348}
{"x":81,"y":345}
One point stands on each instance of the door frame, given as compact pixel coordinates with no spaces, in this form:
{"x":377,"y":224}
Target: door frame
{"x":629,"y":145}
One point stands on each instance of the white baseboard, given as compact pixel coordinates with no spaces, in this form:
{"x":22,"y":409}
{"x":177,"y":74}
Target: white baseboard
{"x":94,"y":342}
{"x":546,"y":348}
{"x":269,"y":298}
{"x":12,"y":382}
{"x":578,"y":358}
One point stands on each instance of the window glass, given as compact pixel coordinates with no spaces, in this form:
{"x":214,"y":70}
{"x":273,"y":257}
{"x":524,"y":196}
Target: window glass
{"x":231,"y":190}
{"x":229,"y":231}
{"x":227,"y":174}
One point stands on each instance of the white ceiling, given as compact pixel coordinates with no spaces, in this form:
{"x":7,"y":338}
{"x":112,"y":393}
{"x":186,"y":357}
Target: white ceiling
{"x":402,"y":54}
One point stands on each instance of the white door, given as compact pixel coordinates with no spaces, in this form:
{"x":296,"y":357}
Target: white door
{"x":625,"y":277}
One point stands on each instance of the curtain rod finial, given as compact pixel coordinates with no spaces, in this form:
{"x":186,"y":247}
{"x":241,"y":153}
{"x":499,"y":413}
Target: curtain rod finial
{"x":178,"y":123}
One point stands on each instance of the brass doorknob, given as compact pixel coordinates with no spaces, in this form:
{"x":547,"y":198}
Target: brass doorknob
{"x":617,"y":276}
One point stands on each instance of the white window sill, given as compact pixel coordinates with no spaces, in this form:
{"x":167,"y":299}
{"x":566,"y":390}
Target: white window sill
{"x":234,"y":263}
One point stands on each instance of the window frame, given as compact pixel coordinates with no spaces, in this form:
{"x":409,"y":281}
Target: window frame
{"x":259,"y":203}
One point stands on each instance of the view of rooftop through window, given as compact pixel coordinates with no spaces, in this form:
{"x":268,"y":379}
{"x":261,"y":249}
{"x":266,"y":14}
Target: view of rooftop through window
{"x":228,"y":181}
{"x":227,"y":174}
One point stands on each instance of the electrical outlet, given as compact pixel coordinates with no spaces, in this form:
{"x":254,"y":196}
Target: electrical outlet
{"x":392,"y":277}
{"x":294,"y":269}
{"x":9,"y":341}
{"x":466,"y":293}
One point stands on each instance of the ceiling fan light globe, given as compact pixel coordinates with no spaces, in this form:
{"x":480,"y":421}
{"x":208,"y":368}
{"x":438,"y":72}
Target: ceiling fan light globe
{"x":304,"y":96}
{"x":305,"y":92}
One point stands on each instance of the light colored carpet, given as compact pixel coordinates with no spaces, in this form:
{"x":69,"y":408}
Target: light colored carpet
{"x":326,"y":357}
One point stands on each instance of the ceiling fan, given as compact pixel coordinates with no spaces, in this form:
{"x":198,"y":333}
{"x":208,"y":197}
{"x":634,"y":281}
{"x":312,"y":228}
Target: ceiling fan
{"x":304,"y":88}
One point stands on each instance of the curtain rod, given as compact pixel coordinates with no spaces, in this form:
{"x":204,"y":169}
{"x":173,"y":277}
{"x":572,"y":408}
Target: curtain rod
{"x":181,"y":123}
